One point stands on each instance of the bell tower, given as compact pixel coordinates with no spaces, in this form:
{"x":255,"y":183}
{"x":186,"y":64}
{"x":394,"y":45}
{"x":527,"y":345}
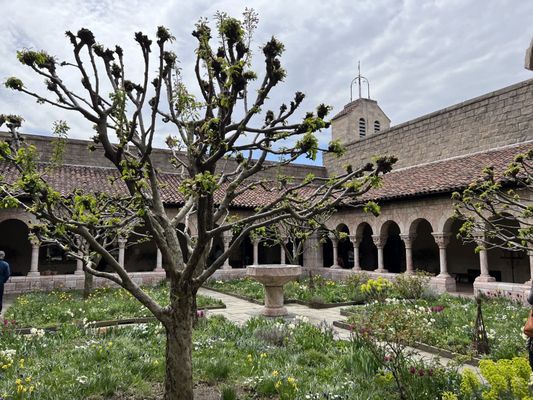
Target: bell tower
{"x":361,"y":117}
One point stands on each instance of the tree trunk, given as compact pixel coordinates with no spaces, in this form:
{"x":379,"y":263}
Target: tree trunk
{"x":88,"y":285}
{"x":178,"y":379}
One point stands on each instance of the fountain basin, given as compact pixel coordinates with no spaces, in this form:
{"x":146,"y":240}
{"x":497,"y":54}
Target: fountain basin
{"x":273,"y":277}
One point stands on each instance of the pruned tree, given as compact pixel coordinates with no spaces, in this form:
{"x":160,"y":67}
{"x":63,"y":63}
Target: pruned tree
{"x":500,"y":206}
{"x":220,"y":147}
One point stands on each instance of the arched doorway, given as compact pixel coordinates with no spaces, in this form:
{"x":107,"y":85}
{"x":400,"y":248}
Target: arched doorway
{"x":14,"y":241}
{"x":394,"y":249}
{"x":53,"y":260}
{"x":424,"y":249}
{"x":368,"y":252}
{"x":345,"y":252}
{"x":141,"y":253}
{"x":327,"y":249}
{"x":462,"y":260}
{"x":505,"y":263}
{"x":243,"y":255}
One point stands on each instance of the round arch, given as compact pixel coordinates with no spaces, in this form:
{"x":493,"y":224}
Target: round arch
{"x":368,"y":252}
{"x":425,"y":251}
{"x":15,"y":242}
{"x":394,"y":249}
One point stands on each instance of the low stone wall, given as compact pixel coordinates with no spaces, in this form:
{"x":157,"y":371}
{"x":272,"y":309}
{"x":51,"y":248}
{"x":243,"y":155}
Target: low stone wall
{"x":25,"y":284}
{"x":514,"y":291}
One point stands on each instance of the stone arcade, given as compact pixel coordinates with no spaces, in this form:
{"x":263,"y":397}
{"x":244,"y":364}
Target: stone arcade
{"x":438,"y":153}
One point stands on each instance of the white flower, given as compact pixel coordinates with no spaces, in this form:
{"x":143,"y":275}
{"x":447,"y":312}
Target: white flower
{"x":82,"y":379}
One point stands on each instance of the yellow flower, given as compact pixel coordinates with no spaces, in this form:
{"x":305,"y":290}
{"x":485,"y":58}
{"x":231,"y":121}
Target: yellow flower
{"x":28,"y":379}
{"x":249,"y":358}
{"x":18,"y":382}
{"x":263,"y":355}
{"x":277,"y":385}
{"x":291,"y":381}
{"x":275,"y":373}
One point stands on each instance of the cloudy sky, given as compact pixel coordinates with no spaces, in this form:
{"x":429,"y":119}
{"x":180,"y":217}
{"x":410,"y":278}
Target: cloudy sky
{"x":419,"y":55}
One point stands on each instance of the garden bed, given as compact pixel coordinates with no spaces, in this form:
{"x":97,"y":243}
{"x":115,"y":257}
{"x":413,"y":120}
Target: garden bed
{"x":315,"y":292}
{"x":104,"y":306}
{"x":252,"y":360}
{"x":474,"y":361}
{"x":447,"y":323}
{"x":288,"y":301}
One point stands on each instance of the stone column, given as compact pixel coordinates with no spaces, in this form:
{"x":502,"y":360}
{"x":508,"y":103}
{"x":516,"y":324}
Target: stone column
{"x":444,"y":281}
{"x":530,"y":253}
{"x":335,"y":244}
{"x":380,"y":242}
{"x":34,"y":264}
{"x":313,"y":253}
{"x":282,"y":250}
{"x":79,"y":265}
{"x":356,"y":240}
{"x":159,"y":261}
{"x":255,"y":243}
{"x":408,"y":242}
{"x":483,"y":260}
{"x":226,"y":239}
{"x":121,"y":250}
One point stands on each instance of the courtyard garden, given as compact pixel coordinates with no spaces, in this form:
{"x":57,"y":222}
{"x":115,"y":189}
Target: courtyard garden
{"x":237,"y":362}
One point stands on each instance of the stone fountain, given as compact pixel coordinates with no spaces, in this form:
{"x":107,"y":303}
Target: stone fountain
{"x":273,"y":277}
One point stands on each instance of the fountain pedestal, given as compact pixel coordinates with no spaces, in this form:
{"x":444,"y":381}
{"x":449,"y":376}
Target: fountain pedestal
{"x":273,"y":277}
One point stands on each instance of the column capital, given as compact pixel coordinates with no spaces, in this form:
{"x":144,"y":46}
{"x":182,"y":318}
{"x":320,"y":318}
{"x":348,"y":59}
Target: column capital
{"x":479,"y":237}
{"x":227,"y":237}
{"x":442,"y":239}
{"x":379,"y":240}
{"x":356,"y":239}
{"x":122,"y":242}
{"x":34,"y":240}
{"x":408,"y":239}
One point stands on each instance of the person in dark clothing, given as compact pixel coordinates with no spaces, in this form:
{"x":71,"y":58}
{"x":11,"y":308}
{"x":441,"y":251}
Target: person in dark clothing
{"x":5,"y":272}
{"x":530,"y":340}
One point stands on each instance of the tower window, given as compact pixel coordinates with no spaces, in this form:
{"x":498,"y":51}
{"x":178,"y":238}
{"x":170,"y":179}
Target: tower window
{"x":362,"y":127}
{"x":377,"y":126}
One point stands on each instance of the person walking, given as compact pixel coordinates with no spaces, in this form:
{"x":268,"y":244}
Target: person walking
{"x":5,"y":272}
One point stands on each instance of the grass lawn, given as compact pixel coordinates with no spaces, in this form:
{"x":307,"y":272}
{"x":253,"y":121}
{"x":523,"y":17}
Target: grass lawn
{"x":57,"y":307}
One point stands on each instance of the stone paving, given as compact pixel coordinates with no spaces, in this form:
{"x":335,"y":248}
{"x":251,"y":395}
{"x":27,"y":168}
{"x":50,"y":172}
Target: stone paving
{"x":239,"y":311}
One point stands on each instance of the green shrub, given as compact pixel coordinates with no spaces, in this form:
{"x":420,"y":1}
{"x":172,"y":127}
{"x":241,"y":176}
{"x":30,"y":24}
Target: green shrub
{"x":412,"y":286}
{"x":228,"y":393}
{"x":274,"y":335}
{"x":217,"y":370}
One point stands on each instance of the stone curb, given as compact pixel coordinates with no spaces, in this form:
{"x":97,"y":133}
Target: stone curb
{"x":423,"y":346}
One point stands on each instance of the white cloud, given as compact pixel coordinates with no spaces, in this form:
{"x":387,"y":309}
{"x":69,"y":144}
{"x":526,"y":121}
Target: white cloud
{"x":419,"y":56}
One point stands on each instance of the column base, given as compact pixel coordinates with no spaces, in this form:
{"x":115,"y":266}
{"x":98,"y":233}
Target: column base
{"x":444,"y":283}
{"x":357,"y":269}
{"x":485,"y":278}
{"x":409,"y":272}
{"x":160,"y":269}
{"x":335,"y":266}
{"x":34,"y":273}
{"x":381,"y":270}
{"x":227,"y":267}
{"x":79,"y":272}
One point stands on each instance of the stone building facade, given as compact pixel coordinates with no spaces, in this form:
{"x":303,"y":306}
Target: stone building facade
{"x":437,"y":154}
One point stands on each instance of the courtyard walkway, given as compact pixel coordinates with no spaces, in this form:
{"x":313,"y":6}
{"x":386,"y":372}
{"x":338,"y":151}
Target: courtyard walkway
{"x":239,"y":311}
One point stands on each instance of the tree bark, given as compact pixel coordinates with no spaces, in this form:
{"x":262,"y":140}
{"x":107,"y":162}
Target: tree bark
{"x":178,"y":375}
{"x":88,"y":285}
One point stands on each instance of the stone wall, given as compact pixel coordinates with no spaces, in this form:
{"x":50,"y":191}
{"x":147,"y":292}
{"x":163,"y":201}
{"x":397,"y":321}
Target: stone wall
{"x":77,"y":153}
{"x":493,"y":120}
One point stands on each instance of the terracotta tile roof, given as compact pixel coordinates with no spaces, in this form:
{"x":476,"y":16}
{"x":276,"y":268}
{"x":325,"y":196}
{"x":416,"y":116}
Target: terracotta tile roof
{"x":445,"y":176}
{"x":438,"y":177}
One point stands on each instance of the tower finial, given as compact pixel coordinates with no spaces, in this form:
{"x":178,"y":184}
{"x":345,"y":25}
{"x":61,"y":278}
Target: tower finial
{"x":360,"y":79}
